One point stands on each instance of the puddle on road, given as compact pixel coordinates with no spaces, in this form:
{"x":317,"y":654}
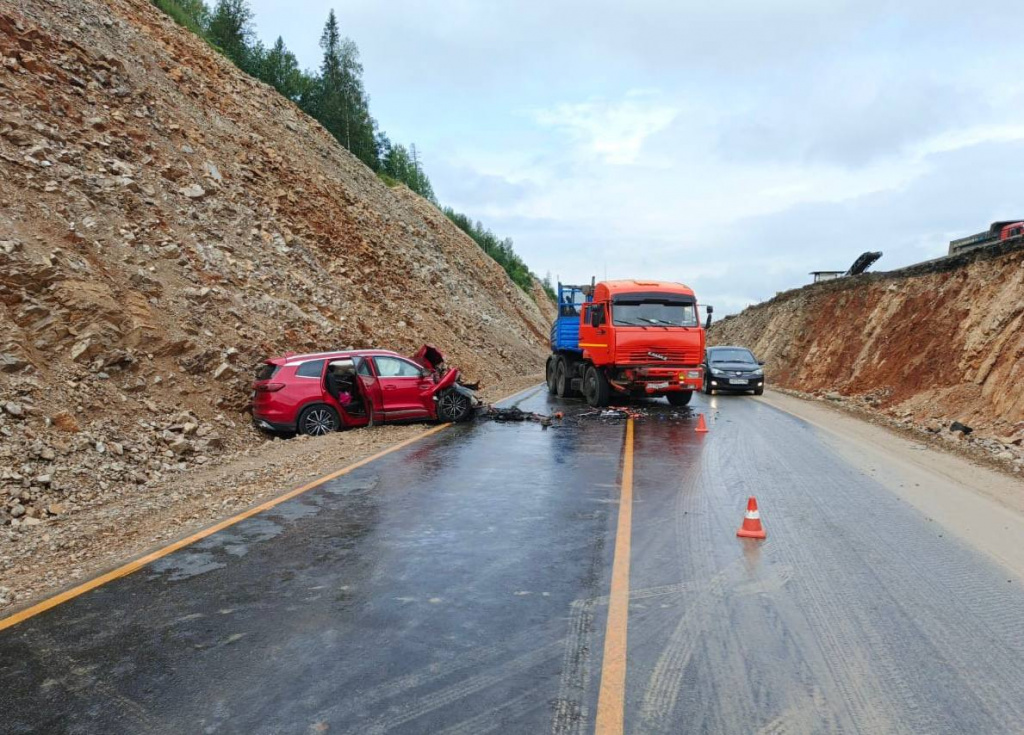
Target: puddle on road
{"x":294,"y":510}
{"x":184,"y":565}
{"x":348,"y":485}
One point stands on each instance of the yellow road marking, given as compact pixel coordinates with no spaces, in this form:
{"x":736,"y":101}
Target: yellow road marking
{"x":133,"y":566}
{"x":612,"y":696}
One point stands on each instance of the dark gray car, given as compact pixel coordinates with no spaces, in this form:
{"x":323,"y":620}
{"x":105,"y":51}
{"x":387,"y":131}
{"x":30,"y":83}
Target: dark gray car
{"x":728,"y":368}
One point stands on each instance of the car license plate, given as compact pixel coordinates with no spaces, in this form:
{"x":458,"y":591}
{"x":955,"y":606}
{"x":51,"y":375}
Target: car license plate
{"x":737,"y":381}
{"x":657,"y":386}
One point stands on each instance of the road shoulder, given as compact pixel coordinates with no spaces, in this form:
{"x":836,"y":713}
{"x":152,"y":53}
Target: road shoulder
{"x":982,"y":507}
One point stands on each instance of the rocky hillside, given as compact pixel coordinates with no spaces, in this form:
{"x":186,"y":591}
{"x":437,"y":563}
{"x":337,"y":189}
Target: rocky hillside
{"x":165,"y":223}
{"x":930,"y":344}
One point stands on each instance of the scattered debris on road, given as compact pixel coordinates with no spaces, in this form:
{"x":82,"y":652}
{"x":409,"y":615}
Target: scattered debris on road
{"x":514,"y":414}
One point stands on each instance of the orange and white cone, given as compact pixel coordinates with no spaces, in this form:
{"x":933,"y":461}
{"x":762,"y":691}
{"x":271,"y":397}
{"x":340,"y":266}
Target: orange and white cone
{"x":751,"y":527}
{"x":702,"y":428}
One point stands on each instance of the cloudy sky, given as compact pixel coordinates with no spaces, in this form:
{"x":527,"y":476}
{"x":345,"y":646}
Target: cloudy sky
{"x":733,"y":146}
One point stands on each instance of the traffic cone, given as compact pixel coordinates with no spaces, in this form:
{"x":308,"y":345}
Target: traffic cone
{"x":702,"y":428}
{"x":751,"y":527}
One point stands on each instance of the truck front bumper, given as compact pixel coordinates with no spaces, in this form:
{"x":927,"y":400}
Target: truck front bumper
{"x":659,"y":380}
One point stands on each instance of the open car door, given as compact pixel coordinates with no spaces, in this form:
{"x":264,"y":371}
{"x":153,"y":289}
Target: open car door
{"x":353,"y":403}
{"x":371,"y":389}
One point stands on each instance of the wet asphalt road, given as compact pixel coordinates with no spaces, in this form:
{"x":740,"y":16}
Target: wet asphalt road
{"x":461,"y":585}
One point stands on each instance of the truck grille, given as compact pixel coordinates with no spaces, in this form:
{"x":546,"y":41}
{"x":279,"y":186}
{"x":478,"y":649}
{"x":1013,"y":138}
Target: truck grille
{"x":674,"y":355}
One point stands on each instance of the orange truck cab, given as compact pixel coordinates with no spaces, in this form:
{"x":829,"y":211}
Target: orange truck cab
{"x":632,"y":338}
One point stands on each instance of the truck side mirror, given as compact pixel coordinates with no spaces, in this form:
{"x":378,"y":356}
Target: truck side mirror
{"x":710,"y":310}
{"x":597,"y":316}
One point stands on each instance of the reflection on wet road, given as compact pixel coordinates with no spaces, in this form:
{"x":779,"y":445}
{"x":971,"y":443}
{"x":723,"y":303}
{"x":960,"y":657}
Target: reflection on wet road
{"x":461,"y":585}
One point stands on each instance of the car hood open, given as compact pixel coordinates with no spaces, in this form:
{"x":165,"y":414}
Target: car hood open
{"x":428,"y":357}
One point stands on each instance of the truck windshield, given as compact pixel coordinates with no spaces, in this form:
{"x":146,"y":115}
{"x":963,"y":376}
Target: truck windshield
{"x":647,"y":313}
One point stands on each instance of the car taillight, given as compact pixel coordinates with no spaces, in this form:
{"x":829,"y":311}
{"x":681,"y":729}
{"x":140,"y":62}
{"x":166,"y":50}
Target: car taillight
{"x":269,"y":387}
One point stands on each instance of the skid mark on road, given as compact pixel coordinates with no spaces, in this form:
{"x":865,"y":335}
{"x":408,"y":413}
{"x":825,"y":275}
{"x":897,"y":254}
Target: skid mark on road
{"x":571,"y":714}
{"x":494,"y":719}
{"x":461,"y":689}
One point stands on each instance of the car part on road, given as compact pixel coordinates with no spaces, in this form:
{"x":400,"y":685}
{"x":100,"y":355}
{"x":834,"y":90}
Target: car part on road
{"x":752,"y":527}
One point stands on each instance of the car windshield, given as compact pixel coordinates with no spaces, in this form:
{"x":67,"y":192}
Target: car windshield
{"x":648,"y":313}
{"x":732,"y":355}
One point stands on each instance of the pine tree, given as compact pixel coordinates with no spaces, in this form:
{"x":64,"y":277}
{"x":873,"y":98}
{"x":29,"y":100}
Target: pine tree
{"x":279,"y":68}
{"x":341,"y":103}
{"x":230,"y":30}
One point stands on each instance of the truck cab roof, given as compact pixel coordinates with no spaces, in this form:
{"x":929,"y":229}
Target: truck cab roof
{"x":606,"y":290}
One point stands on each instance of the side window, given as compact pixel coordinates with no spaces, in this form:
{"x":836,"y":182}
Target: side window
{"x":587,"y":313}
{"x":363,"y":368}
{"x":311,"y":369}
{"x":392,"y":367}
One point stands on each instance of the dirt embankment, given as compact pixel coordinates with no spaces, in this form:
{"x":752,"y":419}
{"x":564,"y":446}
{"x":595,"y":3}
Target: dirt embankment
{"x":165,"y":223}
{"x":926,"y":346}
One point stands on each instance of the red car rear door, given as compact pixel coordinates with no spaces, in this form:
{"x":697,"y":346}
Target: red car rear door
{"x":404,"y":388}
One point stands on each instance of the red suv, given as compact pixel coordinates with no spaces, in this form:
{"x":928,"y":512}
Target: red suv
{"x":323,"y":392}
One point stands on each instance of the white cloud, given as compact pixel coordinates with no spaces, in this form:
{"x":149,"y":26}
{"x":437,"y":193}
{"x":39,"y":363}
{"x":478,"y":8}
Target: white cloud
{"x":612,"y":131}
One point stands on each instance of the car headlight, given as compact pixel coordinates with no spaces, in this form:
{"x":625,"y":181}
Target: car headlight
{"x":759,"y":371}
{"x":716,"y":373}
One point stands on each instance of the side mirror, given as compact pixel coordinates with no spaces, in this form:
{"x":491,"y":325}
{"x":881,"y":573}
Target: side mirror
{"x":760,"y":362}
{"x":710,"y":310}
{"x":597,"y":319}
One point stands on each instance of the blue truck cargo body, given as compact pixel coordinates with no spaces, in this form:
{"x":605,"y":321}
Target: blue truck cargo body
{"x":565,"y":332}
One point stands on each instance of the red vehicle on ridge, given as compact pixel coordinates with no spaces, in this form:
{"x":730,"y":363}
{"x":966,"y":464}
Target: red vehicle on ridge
{"x":322,"y":392}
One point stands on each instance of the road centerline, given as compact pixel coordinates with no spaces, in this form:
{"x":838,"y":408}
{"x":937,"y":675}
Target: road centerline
{"x":612,"y":695}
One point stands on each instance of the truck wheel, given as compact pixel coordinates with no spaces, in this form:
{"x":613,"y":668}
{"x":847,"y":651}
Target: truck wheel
{"x":561,"y":378}
{"x":595,"y":388}
{"x":680,"y":398}
{"x":549,"y":374}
